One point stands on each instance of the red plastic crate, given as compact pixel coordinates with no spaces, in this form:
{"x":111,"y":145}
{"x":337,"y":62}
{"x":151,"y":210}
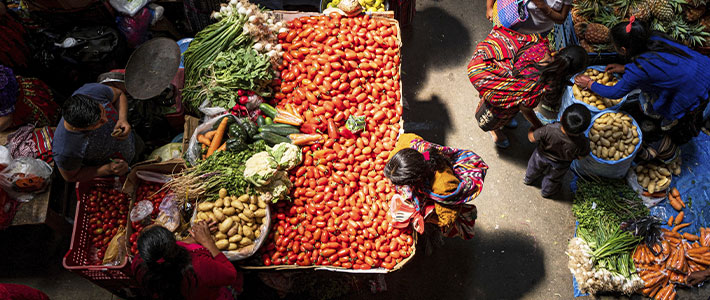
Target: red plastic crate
{"x":116,"y":279}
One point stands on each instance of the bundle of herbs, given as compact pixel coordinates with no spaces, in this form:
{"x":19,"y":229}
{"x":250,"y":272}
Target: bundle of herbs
{"x":234,"y":70}
{"x":224,"y":169}
{"x":606,"y":202}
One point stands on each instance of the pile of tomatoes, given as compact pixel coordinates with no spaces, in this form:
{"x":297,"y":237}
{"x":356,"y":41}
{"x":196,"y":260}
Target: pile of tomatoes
{"x":108,"y":210}
{"x":146,"y":191}
{"x":333,"y":68}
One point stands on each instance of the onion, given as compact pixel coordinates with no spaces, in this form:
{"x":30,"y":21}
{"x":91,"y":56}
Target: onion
{"x":258,"y":46}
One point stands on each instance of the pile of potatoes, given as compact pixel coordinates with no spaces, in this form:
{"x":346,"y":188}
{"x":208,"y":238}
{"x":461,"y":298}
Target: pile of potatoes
{"x":613,"y":136}
{"x":657,"y":177}
{"x":239,"y":218}
{"x":593,"y":99}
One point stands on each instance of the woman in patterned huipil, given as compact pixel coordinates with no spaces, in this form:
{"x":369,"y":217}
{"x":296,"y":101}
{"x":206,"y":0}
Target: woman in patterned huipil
{"x":25,"y":100}
{"x":512,"y":72}
{"x":435,"y":184}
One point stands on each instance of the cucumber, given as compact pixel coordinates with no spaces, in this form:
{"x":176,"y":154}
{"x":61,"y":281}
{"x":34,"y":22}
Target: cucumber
{"x":272,"y":138}
{"x":268,"y":110}
{"x":280,"y":130}
{"x":260,"y":121}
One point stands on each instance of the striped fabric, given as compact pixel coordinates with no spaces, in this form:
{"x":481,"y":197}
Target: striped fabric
{"x":491,"y":71}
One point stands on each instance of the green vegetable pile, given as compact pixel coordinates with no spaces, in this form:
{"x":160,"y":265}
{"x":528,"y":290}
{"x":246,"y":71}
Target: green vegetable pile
{"x":606,"y":202}
{"x":612,"y":248}
{"x":600,"y":207}
{"x":223,"y":169}
{"x":241,"y":69}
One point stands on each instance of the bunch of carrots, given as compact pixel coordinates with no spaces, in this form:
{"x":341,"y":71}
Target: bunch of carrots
{"x":212,"y":140}
{"x":677,"y":255}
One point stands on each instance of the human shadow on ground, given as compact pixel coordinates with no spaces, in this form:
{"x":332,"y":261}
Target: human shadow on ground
{"x":436,"y":40}
{"x":31,"y":250}
{"x":499,"y":264}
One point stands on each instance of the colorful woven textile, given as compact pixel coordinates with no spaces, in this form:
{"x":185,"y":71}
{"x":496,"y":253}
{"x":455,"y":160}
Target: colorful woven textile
{"x":469,"y":168}
{"x":491,"y":71}
{"x":35,"y":104}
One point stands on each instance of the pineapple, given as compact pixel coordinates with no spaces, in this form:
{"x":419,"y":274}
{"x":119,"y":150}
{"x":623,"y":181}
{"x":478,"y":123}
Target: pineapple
{"x":697,"y":36}
{"x":579,"y":29}
{"x":596,"y":33}
{"x":621,"y":7}
{"x":586,"y":46}
{"x":640,"y":10}
{"x":664,"y":9}
{"x":693,"y":13}
{"x":705,"y":21}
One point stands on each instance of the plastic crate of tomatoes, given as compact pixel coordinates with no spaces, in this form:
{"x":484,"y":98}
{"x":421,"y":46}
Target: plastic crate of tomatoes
{"x":100,"y":210}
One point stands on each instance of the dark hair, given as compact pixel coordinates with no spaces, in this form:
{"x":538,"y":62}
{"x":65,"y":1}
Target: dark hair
{"x":408,"y":167}
{"x":557,"y":73}
{"x":575,"y":119}
{"x":81,"y":111}
{"x":638,"y":41}
{"x":166,"y":263}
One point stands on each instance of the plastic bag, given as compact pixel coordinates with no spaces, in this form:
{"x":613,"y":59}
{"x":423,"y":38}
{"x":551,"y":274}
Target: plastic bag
{"x":25,"y":177}
{"x":167,"y":152}
{"x":591,"y":165}
{"x":192,"y":153}
{"x":5,"y":158}
{"x":632,"y":180}
{"x":141,"y":210}
{"x":128,"y":7}
{"x":250,"y":250}
{"x":135,"y":27}
{"x":169,"y":215}
{"x":355,"y":123}
{"x":569,"y":99}
{"x":116,"y":250}
{"x":210,"y":112}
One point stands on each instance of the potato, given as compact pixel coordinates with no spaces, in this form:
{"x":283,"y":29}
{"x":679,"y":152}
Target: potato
{"x":236,"y":218}
{"x":218,"y":214}
{"x":234,"y":230}
{"x":235,"y":238}
{"x":220,"y":236}
{"x":205,"y":206}
{"x":664,"y":171}
{"x":222,"y":192}
{"x":253,"y":207}
{"x":247,"y":232}
{"x":222,"y":244}
{"x":219,"y":203}
{"x":227,"y":202}
{"x":245,"y":241}
{"x":261,"y":204}
{"x":247,"y":212}
{"x":244,"y":217}
{"x":260,"y":213}
{"x":238,"y":205}
{"x":243,"y":198}
{"x":202,"y":216}
{"x":229,"y":211}
{"x":210,"y":216}
{"x":264,"y":220}
{"x":225,"y":225}
{"x":232,"y":246}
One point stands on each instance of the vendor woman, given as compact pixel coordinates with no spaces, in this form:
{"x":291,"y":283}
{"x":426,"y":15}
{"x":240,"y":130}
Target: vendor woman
{"x":677,"y":75}
{"x":25,"y":100}
{"x":436,"y":184}
{"x":193,"y":269}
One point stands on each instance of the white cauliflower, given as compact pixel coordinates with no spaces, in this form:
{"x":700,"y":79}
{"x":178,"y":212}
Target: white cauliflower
{"x":260,"y":169}
{"x":286,"y":155}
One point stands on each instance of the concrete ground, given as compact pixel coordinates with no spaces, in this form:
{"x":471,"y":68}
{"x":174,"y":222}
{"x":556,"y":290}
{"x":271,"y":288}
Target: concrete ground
{"x":519,"y":248}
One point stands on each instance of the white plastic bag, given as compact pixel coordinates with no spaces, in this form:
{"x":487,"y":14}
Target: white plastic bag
{"x":167,"y":152}
{"x":169,"y":216}
{"x":632,"y":180}
{"x":192,"y":154}
{"x":128,"y":7}
{"x":25,"y":177}
{"x":210,"y":112}
{"x":5,"y":158}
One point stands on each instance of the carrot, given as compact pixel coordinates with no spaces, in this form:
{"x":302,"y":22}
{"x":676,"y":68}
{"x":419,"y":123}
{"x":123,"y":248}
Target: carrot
{"x":675,"y":202}
{"x":671,"y":296}
{"x":223,"y":147}
{"x":670,"y":221}
{"x":219,"y":135}
{"x":679,"y":218}
{"x":681,"y":226}
{"x":690,"y":237}
{"x":202,"y":139}
{"x":210,"y":134}
{"x":674,"y":192}
{"x":681,"y":201}
{"x":301,"y":139}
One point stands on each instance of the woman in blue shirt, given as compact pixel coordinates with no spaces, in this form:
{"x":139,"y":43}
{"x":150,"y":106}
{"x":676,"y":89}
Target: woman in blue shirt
{"x":678,"y":76}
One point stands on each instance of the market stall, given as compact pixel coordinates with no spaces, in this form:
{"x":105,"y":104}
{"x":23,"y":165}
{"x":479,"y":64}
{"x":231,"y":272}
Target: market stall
{"x":636,"y":230}
{"x":298,"y":114}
